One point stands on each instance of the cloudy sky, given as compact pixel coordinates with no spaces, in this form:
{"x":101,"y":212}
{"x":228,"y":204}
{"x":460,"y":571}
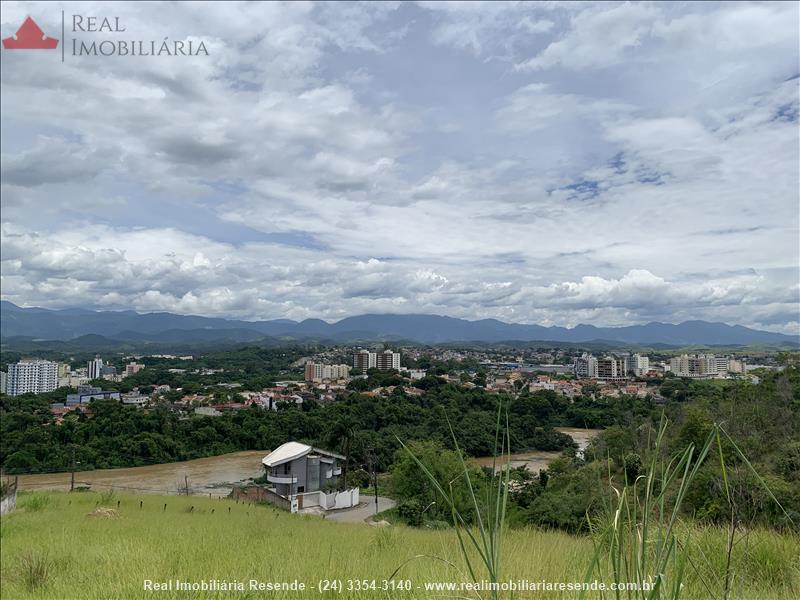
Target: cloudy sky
{"x":543,"y":163}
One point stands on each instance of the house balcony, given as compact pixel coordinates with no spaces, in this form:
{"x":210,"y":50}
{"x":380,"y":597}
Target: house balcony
{"x":287,"y":479}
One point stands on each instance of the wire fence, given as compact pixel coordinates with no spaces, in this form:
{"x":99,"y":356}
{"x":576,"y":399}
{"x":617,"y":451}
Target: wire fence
{"x":230,"y":505}
{"x":85,"y":484}
{"x":135,"y":461}
{"x":239,"y":497}
{"x":75,"y":478}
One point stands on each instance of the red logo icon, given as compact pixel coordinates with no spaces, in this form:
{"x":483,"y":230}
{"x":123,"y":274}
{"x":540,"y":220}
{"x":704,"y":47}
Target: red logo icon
{"x":29,"y":37}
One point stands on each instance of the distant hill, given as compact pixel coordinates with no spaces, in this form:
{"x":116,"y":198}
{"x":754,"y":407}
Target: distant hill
{"x":40,"y":323}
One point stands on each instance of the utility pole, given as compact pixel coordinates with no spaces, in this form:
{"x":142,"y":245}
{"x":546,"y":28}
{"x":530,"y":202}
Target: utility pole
{"x":186,"y":482}
{"x":72,"y":477}
{"x":291,"y":491}
{"x":375,"y":475}
{"x":372,"y":468}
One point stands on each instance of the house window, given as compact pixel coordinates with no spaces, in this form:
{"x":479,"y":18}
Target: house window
{"x":287,"y":468}
{"x":301,"y":489}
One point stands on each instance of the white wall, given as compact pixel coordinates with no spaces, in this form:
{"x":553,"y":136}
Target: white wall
{"x":337,"y":500}
{"x":332,"y":501}
{"x":346,"y":499}
{"x":8,"y":503}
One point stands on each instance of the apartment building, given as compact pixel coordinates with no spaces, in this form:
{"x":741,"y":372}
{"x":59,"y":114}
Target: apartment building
{"x":94,"y":368}
{"x":738,"y":367}
{"x":586,"y":366}
{"x":639,"y":364}
{"x":363,"y":360}
{"x":385,"y":361}
{"x":388,"y":360}
{"x":694,"y":365}
{"x":31,"y":376}
{"x":319,"y":372}
{"x":611,"y":368}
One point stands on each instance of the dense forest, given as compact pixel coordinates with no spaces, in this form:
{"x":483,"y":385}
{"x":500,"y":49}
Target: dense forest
{"x":763,"y":422}
{"x":117,"y":435}
{"x":120,"y":436}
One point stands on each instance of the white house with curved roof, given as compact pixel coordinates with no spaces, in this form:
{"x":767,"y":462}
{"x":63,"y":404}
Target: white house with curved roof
{"x":300,"y":472}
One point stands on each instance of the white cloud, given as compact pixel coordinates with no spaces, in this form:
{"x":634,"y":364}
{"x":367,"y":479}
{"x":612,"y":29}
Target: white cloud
{"x":329,"y":160}
{"x":537,"y":106}
{"x":600,"y":37}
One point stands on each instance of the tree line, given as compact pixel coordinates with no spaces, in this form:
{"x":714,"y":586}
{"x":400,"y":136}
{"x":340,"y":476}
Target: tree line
{"x":115,"y":435}
{"x":762,"y":420}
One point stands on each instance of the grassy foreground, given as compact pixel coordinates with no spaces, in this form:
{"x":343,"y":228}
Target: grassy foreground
{"x":51,"y":548}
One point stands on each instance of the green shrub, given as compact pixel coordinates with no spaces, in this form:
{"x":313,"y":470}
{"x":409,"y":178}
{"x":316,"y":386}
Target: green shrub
{"x":108,"y":497}
{"x":359,"y":478}
{"x":411,"y":512}
{"x":330,"y":486}
{"x":34,"y":502}
{"x":632,"y":464}
{"x":35,"y":568}
{"x":410,"y":481}
{"x":385,"y":539}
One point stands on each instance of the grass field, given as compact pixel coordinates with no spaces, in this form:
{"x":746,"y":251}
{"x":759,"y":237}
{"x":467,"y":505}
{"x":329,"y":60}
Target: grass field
{"x":51,"y":548}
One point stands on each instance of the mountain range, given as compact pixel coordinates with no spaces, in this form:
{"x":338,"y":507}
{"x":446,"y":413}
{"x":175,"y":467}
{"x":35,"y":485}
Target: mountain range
{"x":130,"y":326}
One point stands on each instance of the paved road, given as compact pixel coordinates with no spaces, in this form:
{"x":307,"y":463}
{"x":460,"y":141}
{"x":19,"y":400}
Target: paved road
{"x":363,"y":511}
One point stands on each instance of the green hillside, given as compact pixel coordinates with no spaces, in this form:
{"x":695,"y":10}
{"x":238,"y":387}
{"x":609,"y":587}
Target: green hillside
{"x":52,"y":548}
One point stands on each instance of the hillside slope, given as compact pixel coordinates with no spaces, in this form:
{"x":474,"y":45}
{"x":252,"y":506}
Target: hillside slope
{"x":51,"y":548}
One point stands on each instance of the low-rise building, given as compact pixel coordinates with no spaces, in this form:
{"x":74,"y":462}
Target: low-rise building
{"x":87,"y":393}
{"x":60,"y":410}
{"x":271,"y":398}
{"x":306,"y":476}
{"x":73,"y":380}
{"x":415,"y":374}
{"x":132,"y":368}
{"x":135,"y":399}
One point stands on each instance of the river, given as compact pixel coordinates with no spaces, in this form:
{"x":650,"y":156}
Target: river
{"x":216,"y":475}
{"x":539,"y":459}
